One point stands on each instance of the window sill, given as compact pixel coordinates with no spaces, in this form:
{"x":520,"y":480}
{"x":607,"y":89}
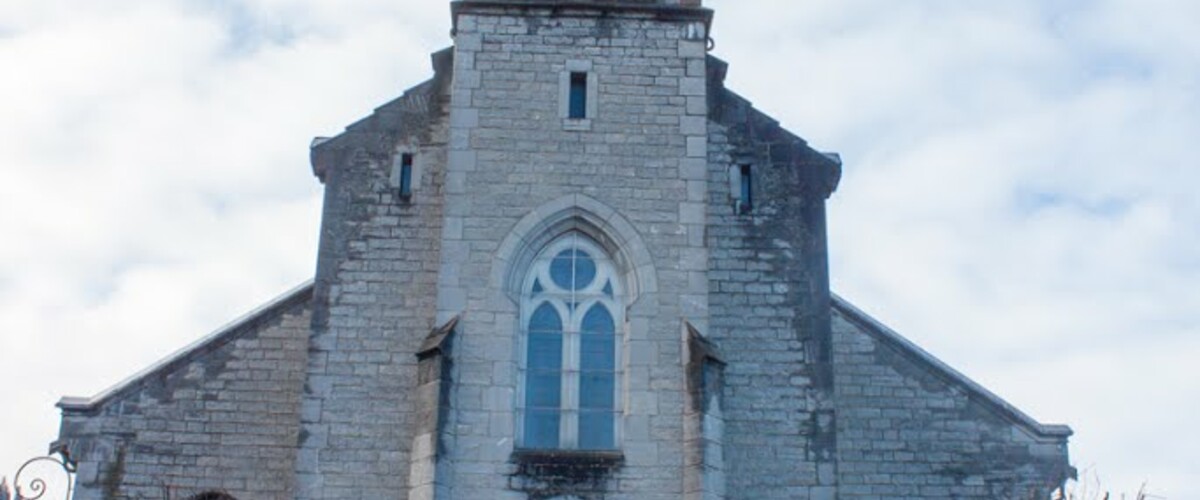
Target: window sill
{"x":547,"y":471}
{"x":577,"y":124}
{"x":569,"y":458}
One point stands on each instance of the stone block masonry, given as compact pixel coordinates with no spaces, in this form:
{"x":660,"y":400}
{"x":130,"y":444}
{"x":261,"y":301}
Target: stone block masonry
{"x":630,"y":162}
{"x":910,"y":427}
{"x":768,"y":294}
{"x":222,"y":415}
{"x":374,"y":297}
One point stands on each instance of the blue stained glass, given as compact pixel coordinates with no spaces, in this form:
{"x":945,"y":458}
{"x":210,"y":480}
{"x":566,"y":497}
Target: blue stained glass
{"x":585,"y":270}
{"x":598,"y":320}
{"x":598,"y":343}
{"x":572,"y":269}
{"x":561,"y":271}
{"x":545,"y":319}
{"x":597,"y":353}
{"x":596,"y":390}
{"x":596,"y":430}
{"x":543,"y":381}
{"x":541,"y":429}
{"x":594,"y":377}
{"x":545,"y":339}
{"x":545,"y":351}
{"x":543,"y":390}
{"x":578,"y":96}
{"x":406,"y":180}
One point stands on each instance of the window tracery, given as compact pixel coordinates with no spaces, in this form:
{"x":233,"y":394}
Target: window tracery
{"x":571,"y":309}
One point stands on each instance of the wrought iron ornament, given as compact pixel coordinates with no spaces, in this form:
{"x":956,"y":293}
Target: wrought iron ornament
{"x":36,"y":487}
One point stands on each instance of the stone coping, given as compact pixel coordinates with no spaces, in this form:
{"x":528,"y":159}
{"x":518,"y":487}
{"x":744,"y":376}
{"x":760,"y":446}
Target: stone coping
{"x":1053,"y":432}
{"x":206,"y":344}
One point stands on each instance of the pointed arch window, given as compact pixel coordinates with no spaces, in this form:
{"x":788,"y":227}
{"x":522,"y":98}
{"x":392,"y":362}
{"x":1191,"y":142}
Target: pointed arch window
{"x":571,"y":312}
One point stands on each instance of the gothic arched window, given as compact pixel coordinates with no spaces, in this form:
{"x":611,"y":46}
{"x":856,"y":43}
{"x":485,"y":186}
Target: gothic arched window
{"x":570,"y":314}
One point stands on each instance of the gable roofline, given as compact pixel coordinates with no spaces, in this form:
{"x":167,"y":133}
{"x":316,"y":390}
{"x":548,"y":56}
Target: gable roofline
{"x":377,"y":132}
{"x":881,"y":332}
{"x":208,"y":343}
{"x":821,"y":172}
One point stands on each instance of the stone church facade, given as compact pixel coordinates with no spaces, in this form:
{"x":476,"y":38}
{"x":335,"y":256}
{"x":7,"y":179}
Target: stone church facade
{"x":571,"y":265}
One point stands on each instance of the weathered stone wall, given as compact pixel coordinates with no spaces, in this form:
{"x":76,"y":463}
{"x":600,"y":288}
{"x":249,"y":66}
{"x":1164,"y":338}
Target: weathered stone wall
{"x":910,"y":428}
{"x":224,"y":417}
{"x":374,"y":297}
{"x":768,"y":283}
{"x":633,"y":173}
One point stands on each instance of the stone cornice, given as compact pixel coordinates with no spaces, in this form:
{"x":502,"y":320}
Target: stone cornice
{"x":586,"y":8}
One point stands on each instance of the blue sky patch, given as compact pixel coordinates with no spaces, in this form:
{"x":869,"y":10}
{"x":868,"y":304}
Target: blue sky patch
{"x":1032,"y":201}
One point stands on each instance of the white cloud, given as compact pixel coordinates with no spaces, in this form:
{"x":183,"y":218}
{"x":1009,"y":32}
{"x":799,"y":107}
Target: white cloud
{"x":156,"y":173}
{"x":1018,"y":197}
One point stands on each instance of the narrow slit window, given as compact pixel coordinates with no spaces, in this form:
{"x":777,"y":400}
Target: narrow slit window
{"x":406,"y":168}
{"x":746,"y":195}
{"x":578,"y":96}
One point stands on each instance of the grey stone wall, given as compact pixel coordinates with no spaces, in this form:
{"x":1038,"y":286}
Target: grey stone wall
{"x":223,"y":417}
{"x":374,"y":297}
{"x":910,"y":428}
{"x":768,"y":283}
{"x":632,"y":175}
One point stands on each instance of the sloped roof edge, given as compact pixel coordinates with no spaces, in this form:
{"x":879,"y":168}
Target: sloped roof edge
{"x":730,"y":109}
{"x":217,"y":338}
{"x":1004,"y":408}
{"x":323,"y":151}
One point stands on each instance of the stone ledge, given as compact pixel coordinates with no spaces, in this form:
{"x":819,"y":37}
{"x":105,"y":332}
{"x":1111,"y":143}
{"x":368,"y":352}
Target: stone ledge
{"x":547,"y":473}
{"x":569,"y":458}
{"x":659,"y":10}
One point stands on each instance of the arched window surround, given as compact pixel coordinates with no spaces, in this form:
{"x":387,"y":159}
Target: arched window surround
{"x":584,"y":214}
{"x":603,"y":227}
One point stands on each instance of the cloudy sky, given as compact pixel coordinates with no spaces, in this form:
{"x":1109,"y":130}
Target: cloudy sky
{"x":1019,"y":194}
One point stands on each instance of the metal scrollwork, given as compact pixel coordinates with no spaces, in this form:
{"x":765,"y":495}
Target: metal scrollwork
{"x":38,"y":486}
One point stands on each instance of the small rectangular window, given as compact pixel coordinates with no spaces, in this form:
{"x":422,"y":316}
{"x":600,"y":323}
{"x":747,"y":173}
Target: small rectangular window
{"x":578,"y":96}
{"x":745,"y":199}
{"x":406,"y":167}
